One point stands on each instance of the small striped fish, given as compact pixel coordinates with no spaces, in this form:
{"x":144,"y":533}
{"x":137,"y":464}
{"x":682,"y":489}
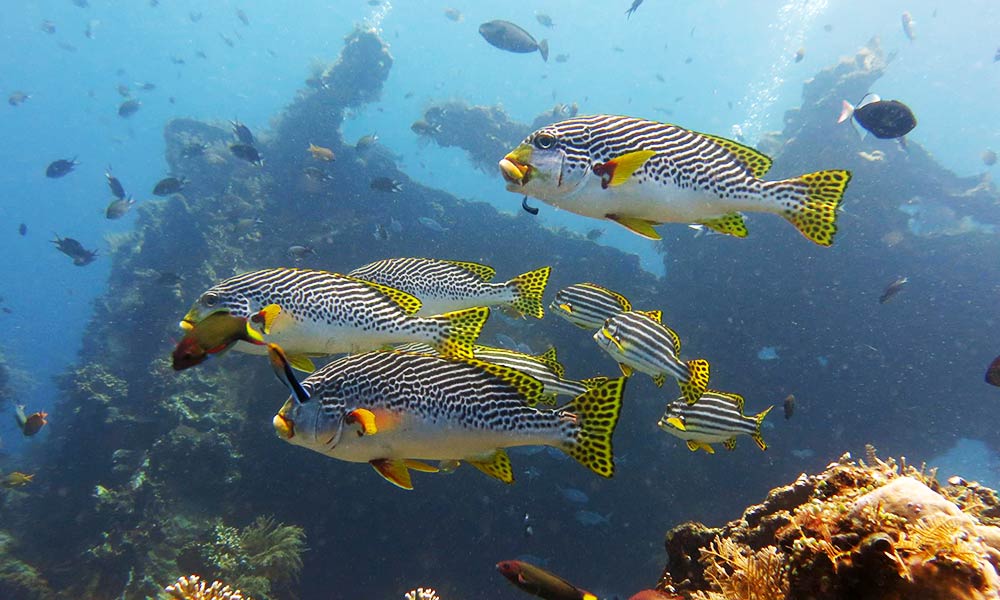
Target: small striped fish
{"x":641,"y":173}
{"x":588,"y":305}
{"x":445,"y":286}
{"x":317,"y":313}
{"x":638,"y":340}
{"x":544,"y":367}
{"x":715,"y":417}
{"x":395,"y":410}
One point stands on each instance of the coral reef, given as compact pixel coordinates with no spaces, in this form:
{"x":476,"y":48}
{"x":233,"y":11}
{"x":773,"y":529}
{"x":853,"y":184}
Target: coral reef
{"x":858,"y":530}
{"x":193,"y":588}
{"x":421,"y":594}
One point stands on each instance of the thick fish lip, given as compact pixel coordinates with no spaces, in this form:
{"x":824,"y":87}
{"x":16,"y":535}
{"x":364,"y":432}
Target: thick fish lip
{"x":513,"y":171}
{"x":193,"y":317}
{"x":284,"y":427}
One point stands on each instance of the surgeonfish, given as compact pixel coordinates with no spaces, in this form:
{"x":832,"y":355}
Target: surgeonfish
{"x":539,"y":582}
{"x":215,"y":334}
{"x":588,"y":305}
{"x":640,"y":341}
{"x":444,"y":285}
{"x":715,"y":417}
{"x":317,"y":313}
{"x":641,"y":173}
{"x":544,"y":367}
{"x":395,"y":410}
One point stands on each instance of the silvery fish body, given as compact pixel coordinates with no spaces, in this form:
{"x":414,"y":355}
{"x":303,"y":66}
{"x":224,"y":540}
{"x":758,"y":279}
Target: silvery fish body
{"x":716,"y":417}
{"x":588,"y":305}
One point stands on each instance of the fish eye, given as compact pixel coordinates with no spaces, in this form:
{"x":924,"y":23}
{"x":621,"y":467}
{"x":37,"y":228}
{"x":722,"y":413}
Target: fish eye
{"x":544,"y":141}
{"x":210,"y":299}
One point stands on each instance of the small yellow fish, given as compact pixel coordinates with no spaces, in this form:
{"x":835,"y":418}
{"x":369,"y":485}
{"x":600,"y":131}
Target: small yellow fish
{"x":321,"y":153}
{"x":16,"y":479}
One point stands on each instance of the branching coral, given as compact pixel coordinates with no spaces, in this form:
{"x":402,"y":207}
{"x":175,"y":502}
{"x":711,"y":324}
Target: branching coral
{"x":421,"y":594}
{"x":193,"y":588}
{"x":741,"y":575}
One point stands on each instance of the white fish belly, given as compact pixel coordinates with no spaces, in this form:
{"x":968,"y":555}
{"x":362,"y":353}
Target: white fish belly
{"x":431,"y":306}
{"x":309,"y":337}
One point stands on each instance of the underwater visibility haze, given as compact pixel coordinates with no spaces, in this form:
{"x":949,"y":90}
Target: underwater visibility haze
{"x":582,"y":283}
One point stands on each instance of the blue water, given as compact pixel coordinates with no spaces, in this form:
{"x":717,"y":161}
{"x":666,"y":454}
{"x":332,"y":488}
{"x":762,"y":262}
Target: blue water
{"x":741,"y":54}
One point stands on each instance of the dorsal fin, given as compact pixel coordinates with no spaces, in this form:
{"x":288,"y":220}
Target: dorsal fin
{"x":548,"y":358}
{"x":736,"y":398}
{"x":484,"y":272}
{"x":526,"y":385}
{"x":621,"y":300}
{"x":409,"y":303}
{"x":656,"y":315}
{"x":756,"y":162}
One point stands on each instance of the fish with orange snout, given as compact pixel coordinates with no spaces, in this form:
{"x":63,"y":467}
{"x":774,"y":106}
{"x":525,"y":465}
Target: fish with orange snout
{"x":539,"y":582}
{"x":215,"y":334}
{"x":29,"y":424}
{"x":321,"y":153}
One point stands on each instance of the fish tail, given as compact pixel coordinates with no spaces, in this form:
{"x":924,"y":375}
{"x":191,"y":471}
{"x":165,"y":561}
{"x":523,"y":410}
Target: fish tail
{"x":597,"y":410}
{"x":459,"y":331}
{"x":543,"y":48}
{"x":846,"y":111}
{"x":810,"y":202}
{"x":697,"y":382}
{"x":528,"y":290}
{"x":758,"y":421}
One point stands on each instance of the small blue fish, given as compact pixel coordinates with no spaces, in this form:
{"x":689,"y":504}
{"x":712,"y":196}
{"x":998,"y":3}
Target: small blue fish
{"x":574,"y":495}
{"x":591,"y":518}
{"x":431,"y":224}
{"x":768,"y":353}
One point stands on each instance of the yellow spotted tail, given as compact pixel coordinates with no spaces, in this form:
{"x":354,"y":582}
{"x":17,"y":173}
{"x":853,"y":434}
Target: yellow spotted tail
{"x":759,"y":420}
{"x":597,"y":409}
{"x":459,"y":332}
{"x":528,"y":290}
{"x":810,"y":202}
{"x":697,"y":381}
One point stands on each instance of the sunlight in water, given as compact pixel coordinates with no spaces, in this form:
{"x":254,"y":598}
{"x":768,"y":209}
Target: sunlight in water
{"x":793,"y":20}
{"x":380,"y":12}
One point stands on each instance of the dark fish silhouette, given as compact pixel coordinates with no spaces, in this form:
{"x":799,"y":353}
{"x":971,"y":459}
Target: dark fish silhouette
{"x":243,"y":133}
{"x":512,"y":38}
{"x":119,"y":207}
{"x":17,"y":98}
{"x":993,"y":372}
{"x":635,"y":5}
{"x":128,"y":108}
{"x":116,"y":186}
{"x":384,"y":184}
{"x":789,"y":406}
{"x":892,"y":289}
{"x":247,"y":153}
{"x":75,"y":250}
{"x":169,"y":185}
{"x":60,"y":168}
{"x":22,"y":229}
{"x":885,"y":119}
{"x":539,"y":582}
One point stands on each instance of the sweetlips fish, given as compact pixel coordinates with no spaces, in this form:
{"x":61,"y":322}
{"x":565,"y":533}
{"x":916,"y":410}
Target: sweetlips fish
{"x":640,"y":342}
{"x":715,"y":417}
{"x":395,"y":410}
{"x":641,"y":173}
{"x":317,"y":313}
{"x":444,"y":285}
{"x":588,"y":305}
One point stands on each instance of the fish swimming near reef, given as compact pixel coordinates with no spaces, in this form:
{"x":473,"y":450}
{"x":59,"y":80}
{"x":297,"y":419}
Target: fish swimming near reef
{"x":169,"y":185}
{"x":214,"y":334}
{"x":128,"y":108}
{"x":387,"y":185}
{"x":885,"y":119}
{"x":117,"y":189}
{"x":641,"y":173}
{"x":512,"y":38}
{"x":318,"y":313}
{"x":715,"y":417}
{"x":588,"y":305}
{"x":75,"y":250}
{"x":60,"y":168}
{"x":321,"y":153}
{"x":639,"y":341}
{"x":242,"y":133}
{"x":16,"y":479}
{"x":29,"y":424}
{"x":541,"y":583}
{"x":444,"y":286}
{"x":247,"y":153}
{"x":119,"y":207}
{"x":395,"y":410}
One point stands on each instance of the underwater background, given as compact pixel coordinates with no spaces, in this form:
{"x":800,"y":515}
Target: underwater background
{"x":144,"y":474}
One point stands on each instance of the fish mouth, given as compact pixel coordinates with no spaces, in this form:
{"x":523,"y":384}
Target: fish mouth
{"x":283,"y":426}
{"x":515,"y":167}
{"x":193,"y":317}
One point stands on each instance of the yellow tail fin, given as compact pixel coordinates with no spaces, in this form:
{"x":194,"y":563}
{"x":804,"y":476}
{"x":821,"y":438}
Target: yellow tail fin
{"x":598,"y":410}
{"x":528,"y":290}
{"x":459,"y":332}
{"x":811,"y":204}
{"x":759,"y":419}
{"x":697,"y":381}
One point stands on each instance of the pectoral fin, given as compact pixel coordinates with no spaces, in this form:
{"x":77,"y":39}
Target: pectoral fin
{"x":394,"y":471}
{"x":618,"y":170}
{"x":363,"y":417}
{"x":267,"y":315}
{"x":638,"y":226}
{"x":626,"y":370}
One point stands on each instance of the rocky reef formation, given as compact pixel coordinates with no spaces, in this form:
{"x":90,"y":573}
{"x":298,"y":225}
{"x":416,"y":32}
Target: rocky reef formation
{"x":861,"y":529}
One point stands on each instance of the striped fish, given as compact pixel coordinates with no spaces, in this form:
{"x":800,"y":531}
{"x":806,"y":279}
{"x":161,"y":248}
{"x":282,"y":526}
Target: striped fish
{"x":445,"y":286}
{"x":639,"y":341}
{"x":715,"y":417}
{"x":317,"y":313}
{"x":641,"y":173}
{"x":588,"y":305}
{"x":395,"y":410}
{"x":544,"y":367}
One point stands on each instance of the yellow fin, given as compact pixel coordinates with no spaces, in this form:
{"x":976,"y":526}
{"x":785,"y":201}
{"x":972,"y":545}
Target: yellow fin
{"x":676,"y":339}
{"x":694,"y":446}
{"x":756,"y":162}
{"x":729,"y":444}
{"x":394,"y":471}
{"x":813,"y":210}
{"x":736,"y":398}
{"x":594,"y":382}
{"x":729,"y":224}
{"x":301,"y":363}
{"x":421,"y":466}
{"x":597,"y":410}
{"x":622,"y":301}
{"x":656,"y":315}
{"x":267,"y":315}
{"x":363,"y":417}
{"x":639,"y":226}
{"x":497,"y":466}
{"x":408,"y":302}
{"x":697,"y":381}
{"x":618,"y":170}
{"x":459,"y":331}
{"x":529,"y":387}
{"x":759,"y":420}
{"x":659,"y":380}
{"x":626,"y":370}
{"x":484,"y":272}
{"x":676,"y":423}
{"x":254,"y":336}
{"x":548,"y":358}
{"x":528,"y":290}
